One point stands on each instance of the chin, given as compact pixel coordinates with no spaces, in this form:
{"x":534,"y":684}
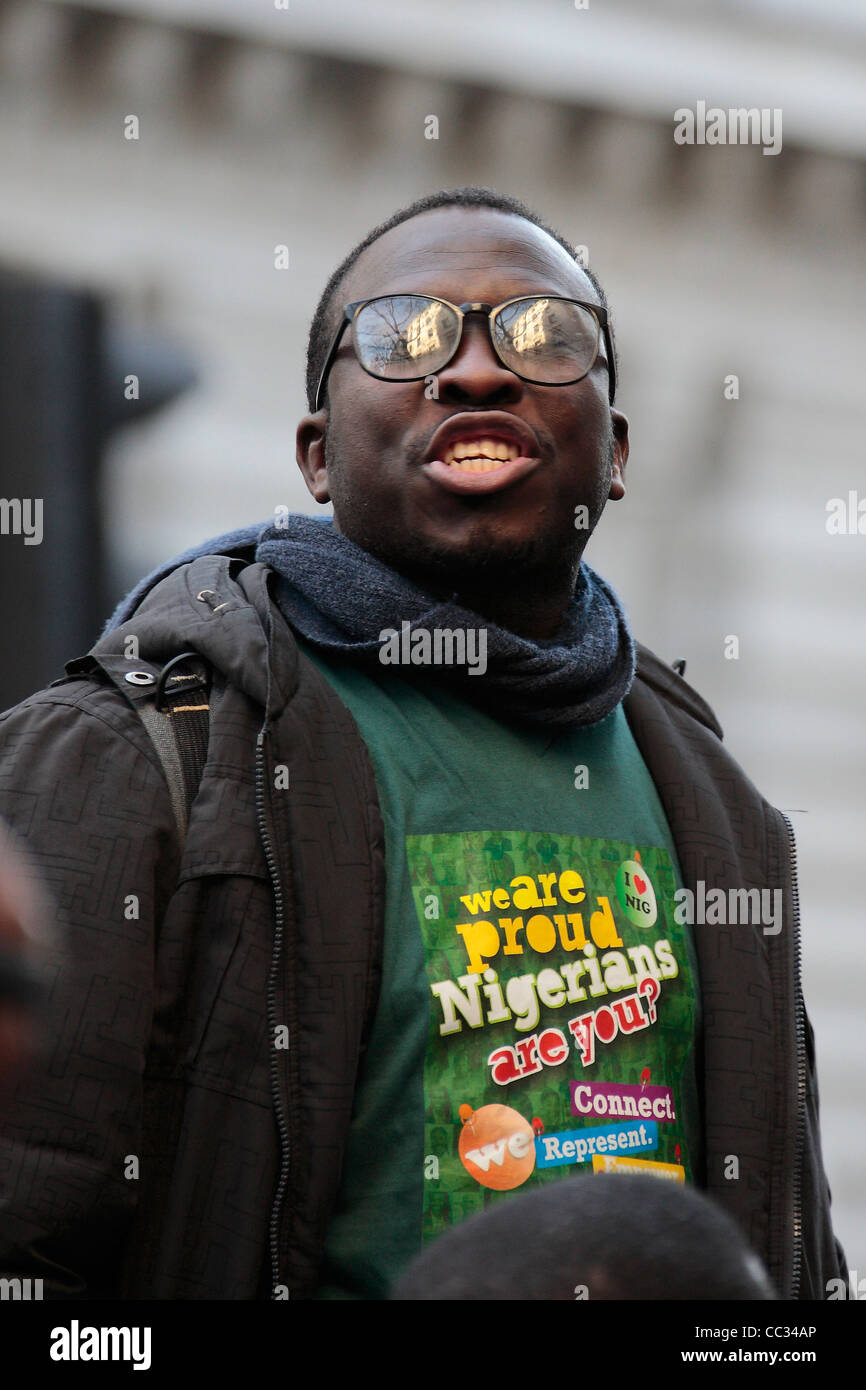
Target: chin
{"x":482,"y":560}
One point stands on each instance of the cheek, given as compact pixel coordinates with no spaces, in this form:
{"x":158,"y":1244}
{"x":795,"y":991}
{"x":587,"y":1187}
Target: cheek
{"x":375,"y":438}
{"x":365,"y":481}
{"x":586,"y":430}
{"x":370,"y":417}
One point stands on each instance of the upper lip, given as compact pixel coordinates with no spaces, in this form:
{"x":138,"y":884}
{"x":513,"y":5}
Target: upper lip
{"x":488,"y":424}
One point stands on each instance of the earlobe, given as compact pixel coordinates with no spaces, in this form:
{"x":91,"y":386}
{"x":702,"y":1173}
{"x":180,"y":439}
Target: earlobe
{"x":310,"y":454}
{"x":620,"y":455}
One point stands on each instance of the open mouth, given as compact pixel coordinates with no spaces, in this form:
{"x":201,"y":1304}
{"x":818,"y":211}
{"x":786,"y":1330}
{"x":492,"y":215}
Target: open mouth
{"x":479,"y":455}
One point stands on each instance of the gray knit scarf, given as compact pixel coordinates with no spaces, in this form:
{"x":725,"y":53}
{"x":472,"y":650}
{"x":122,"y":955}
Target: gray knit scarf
{"x":341,"y":598}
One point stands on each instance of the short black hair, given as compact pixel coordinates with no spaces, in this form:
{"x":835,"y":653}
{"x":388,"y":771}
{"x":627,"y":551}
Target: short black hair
{"x":322,"y":328}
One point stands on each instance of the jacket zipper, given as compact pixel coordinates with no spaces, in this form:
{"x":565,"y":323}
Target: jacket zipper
{"x":801,"y":1067}
{"x":273,"y":1066}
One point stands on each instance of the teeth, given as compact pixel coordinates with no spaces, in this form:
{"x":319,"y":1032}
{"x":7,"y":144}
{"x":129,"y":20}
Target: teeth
{"x":474,"y":465}
{"x":479,"y":455}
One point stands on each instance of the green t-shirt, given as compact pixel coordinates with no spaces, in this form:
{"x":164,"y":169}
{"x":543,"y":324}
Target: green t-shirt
{"x":539,"y":1008}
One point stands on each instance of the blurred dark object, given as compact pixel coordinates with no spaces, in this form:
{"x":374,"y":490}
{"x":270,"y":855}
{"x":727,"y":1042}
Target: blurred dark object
{"x":63,"y":370}
{"x":20,"y":982}
{"x":597,"y":1237}
{"x":23,"y":982}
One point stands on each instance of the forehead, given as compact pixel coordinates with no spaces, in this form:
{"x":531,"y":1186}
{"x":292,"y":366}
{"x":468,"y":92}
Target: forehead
{"x":466,"y":254}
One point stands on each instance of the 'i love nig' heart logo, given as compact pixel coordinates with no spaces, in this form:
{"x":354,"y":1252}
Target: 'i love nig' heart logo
{"x":636,"y":894}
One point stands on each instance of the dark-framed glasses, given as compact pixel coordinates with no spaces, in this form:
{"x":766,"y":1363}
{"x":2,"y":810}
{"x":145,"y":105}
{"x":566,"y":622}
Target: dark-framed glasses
{"x":542,"y":338}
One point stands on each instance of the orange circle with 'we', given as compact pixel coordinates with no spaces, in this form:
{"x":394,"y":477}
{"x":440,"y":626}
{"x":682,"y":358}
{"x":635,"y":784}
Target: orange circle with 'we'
{"x":497,"y":1146}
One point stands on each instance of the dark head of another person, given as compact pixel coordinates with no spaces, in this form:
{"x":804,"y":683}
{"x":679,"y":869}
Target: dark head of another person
{"x":598,"y":1238}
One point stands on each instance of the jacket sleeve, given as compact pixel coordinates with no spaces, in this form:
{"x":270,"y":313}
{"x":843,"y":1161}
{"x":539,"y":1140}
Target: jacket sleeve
{"x":84,"y":794}
{"x":824,"y":1272}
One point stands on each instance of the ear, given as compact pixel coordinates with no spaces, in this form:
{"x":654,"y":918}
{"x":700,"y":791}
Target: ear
{"x":620,"y":455}
{"x":310,"y":454}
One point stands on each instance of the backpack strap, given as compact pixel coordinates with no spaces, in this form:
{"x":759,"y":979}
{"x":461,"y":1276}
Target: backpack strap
{"x":178,"y":721}
{"x":173,"y":704}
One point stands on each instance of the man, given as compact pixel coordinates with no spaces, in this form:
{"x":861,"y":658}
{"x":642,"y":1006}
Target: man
{"x":416,"y":935}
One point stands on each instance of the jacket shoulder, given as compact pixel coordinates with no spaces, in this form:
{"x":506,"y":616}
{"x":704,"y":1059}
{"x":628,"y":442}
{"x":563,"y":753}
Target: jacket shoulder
{"x":77,"y":700}
{"x":669,"y":685}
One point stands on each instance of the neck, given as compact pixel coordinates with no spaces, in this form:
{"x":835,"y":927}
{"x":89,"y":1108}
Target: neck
{"x":528,"y":599}
{"x":535,"y":613}
{"x":526,"y":591}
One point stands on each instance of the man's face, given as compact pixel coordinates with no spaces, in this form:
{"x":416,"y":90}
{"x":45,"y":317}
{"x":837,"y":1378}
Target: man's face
{"x":372,"y":451}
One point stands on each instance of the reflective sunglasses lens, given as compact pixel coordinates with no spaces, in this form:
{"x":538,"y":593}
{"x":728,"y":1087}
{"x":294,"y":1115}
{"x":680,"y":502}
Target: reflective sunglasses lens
{"x":404,"y":337}
{"x":546,"y":340}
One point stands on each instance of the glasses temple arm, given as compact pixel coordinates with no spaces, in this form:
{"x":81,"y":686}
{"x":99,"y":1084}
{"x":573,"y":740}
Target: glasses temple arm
{"x":332,"y":352}
{"x":611,"y":361}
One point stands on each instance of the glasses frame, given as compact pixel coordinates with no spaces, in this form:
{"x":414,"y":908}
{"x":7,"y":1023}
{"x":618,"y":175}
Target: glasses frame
{"x":351,"y":312}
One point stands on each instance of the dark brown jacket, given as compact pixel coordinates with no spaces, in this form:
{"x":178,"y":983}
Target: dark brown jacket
{"x":170,"y":1145}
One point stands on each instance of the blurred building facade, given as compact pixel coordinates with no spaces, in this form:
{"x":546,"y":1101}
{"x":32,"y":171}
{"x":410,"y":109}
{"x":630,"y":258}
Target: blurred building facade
{"x":735,"y":279}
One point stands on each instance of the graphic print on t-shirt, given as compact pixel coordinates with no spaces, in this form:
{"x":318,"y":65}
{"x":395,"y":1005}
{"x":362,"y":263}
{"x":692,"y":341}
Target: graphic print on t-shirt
{"x":561,"y":1013}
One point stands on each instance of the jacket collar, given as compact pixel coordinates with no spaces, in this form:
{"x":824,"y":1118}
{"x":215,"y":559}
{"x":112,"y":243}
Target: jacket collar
{"x":220,"y":608}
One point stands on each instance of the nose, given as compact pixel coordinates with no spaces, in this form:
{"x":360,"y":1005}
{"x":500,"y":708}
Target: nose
{"x":475,"y":373}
